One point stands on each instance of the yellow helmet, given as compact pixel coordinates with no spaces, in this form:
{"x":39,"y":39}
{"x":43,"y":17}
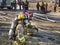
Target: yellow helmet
{"x":20,"y":17}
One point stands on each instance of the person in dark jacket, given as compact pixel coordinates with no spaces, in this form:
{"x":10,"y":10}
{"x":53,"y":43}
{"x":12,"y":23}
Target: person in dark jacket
{"x":19,"y":3}
{"x":55,"y":7}
{"x":23,"y":4}
{"x":26,"y":3}
{"x":43,"y":7}
{"x":37,"y":6}
{"x":46,"y":6}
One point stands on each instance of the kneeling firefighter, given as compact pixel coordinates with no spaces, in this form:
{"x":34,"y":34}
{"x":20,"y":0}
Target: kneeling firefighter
{"x":20,"y":19}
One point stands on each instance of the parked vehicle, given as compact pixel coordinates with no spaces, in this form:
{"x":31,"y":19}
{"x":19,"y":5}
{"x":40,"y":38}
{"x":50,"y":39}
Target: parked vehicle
{"x":6,"y":4}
